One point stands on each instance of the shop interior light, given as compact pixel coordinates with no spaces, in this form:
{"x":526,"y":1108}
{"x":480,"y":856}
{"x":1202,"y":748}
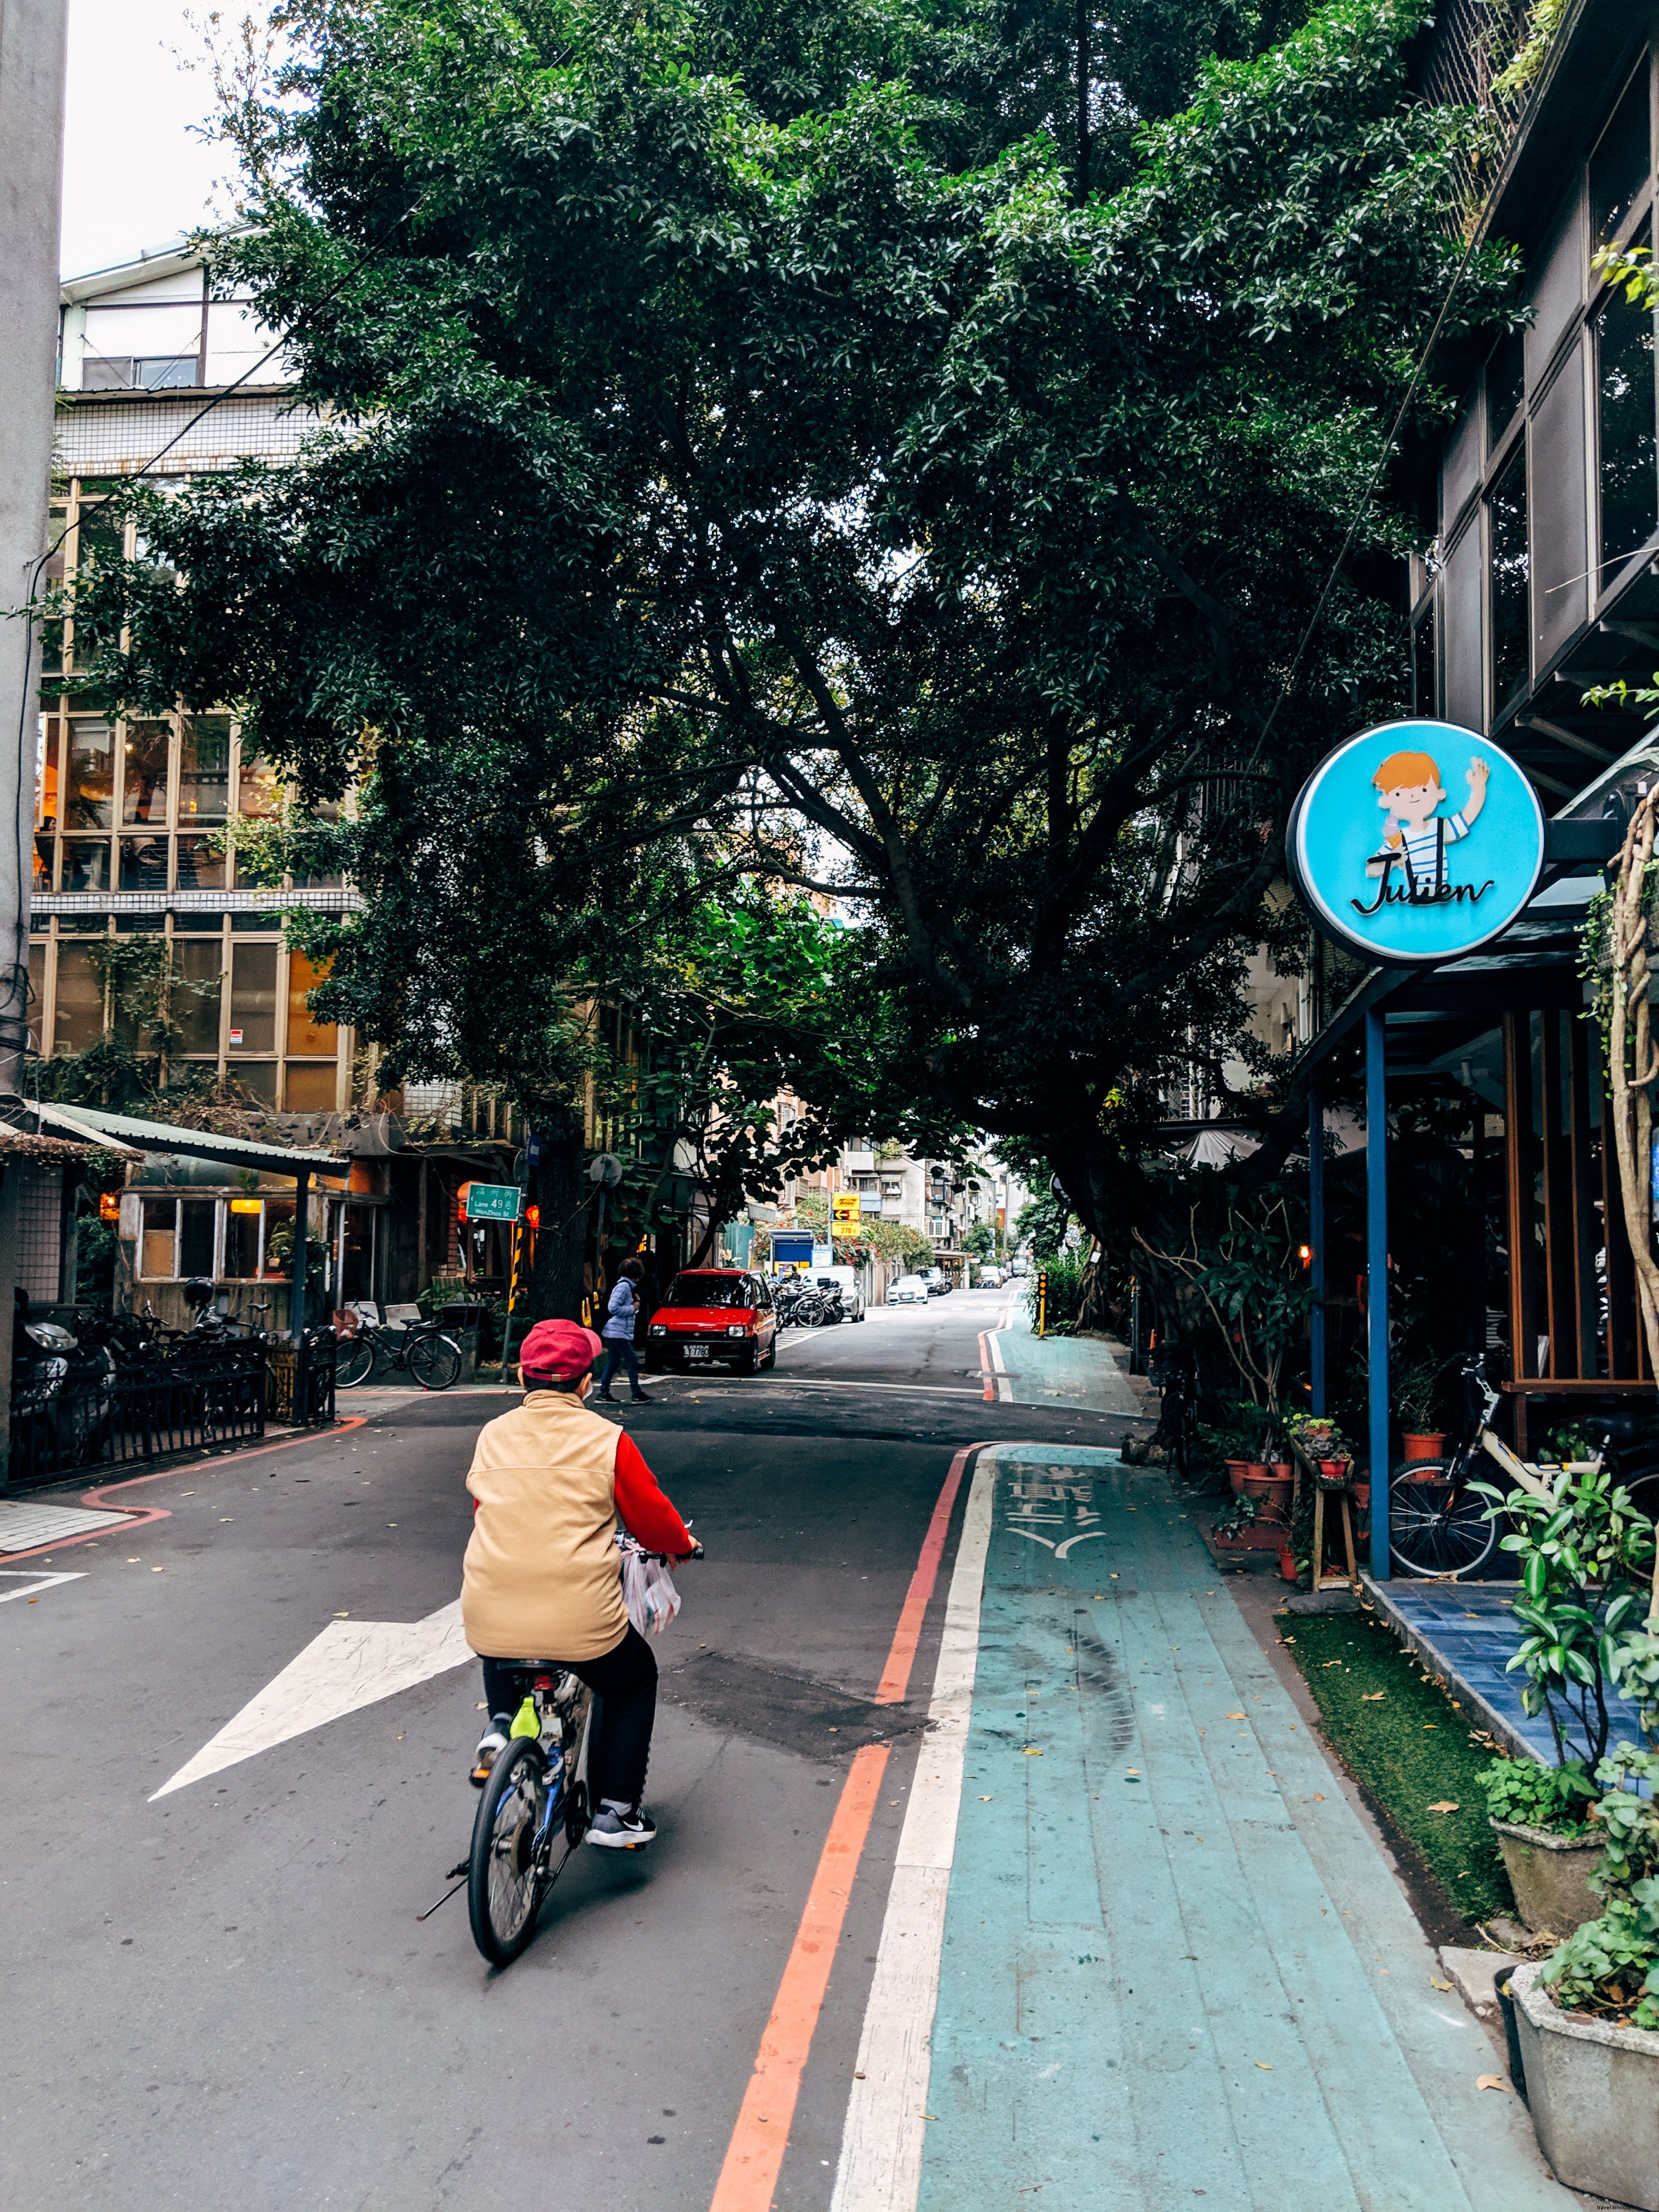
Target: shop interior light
{"x":246,"y":1205}
{"x":109,"y":1205}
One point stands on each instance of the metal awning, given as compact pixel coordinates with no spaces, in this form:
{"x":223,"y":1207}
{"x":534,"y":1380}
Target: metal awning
{"x":126,"y":1133}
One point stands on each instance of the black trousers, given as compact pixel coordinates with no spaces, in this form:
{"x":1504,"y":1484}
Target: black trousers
{"x":624,"y":1681}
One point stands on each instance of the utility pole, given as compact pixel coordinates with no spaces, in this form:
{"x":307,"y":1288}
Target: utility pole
{"x":33,"y":56}
{"x":33,"y":44}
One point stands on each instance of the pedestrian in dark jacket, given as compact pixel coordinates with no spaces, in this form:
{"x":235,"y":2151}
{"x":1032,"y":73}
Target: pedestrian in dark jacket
{"x":619,"y":1333}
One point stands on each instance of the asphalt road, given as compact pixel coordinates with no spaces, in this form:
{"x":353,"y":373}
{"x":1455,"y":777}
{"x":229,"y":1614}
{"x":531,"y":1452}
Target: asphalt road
{"x":226,"y":1997}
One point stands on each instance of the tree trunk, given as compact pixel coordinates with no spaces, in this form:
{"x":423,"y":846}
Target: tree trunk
{"x":559,"y":1188}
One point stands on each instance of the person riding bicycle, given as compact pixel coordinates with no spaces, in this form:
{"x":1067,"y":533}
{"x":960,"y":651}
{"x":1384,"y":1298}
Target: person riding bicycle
{"x":541,"y":1586}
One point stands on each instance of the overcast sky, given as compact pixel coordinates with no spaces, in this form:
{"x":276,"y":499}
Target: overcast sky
{"x":134,"y":173}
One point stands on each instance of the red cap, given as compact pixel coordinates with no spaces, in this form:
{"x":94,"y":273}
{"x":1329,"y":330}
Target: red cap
{"x":558,"y":1350}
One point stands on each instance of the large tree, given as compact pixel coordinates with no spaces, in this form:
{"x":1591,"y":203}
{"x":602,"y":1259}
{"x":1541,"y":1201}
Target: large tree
{"x":784,"y":431}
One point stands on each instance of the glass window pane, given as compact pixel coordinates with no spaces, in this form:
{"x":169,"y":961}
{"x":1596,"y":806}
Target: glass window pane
{"x":165,"y":372}
{"x":197,"y":983}
{"x":79,"y":1013}
{"x":203,"y":769}
{"x":196,"y":1235}
{"x":242,"y":1238}
{"x":258,"y":1076}
{"x":310,"y":1086}
{"x":91,"y":773}
{"x":144,"y":771}
{"x":259,"y":789}
{"x":1629,"y":485}
{"x":85,"y":863}
{"x":47,"y":759}
{"x":1618,"y":166}
{"x":1510,"y":624}
{"x":143,"y":864}
{"x":44,"y":849}
{"x":279,"y":1218}
{"x":254,"y":999}
{"x":158,"y":1248}
{"x":1505,"y":384}
{"x":101,"y":532}
{"x":305,"y":1033}
{"x":200,"y":868}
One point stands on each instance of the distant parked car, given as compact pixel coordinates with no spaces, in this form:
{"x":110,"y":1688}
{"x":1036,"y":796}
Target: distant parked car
{"x":1019,"y":1266}
{"x":991,"y":1278}
{"x":938,"y":1282}
{"x":908,"y":1290}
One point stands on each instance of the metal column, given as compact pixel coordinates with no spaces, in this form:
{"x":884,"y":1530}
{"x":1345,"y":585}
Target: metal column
{"x":297,"y":1297}
{"x":1377,"y":1281}
{"x":1316,"y":1247}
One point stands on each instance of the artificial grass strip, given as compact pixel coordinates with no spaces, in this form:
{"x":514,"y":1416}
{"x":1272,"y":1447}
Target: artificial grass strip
{"x":1411,"y":1749}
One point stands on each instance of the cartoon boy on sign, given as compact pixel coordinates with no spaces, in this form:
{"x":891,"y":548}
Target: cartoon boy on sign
{"x":1415,"y":836}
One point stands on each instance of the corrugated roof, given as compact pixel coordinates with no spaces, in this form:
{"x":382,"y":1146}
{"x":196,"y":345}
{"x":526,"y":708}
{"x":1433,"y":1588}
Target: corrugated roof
{"x":92,"y":1122}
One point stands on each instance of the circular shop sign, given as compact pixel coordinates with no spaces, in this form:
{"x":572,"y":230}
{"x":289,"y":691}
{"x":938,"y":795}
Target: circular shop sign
{"x":1416,"y":842}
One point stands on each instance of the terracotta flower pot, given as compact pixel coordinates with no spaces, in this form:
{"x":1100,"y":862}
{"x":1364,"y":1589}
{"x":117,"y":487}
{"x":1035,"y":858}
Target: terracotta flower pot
{"x":1425,"y":1446}
{"x":1334,"y":1473}
{"x":1235,"y":1471}
{"x":1287,"y":1563}
{"x":1268,"y":1489}
{"x":1284,"y":1468}
{"x":1361,"y":1494}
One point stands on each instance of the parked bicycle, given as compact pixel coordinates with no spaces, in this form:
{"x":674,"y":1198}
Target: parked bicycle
{"x":1171,"y":1373}
{"x":421,"y":1350}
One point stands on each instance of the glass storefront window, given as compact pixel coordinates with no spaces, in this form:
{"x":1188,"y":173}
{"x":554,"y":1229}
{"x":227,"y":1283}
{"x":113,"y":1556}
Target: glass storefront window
{"x":279,"y":1216}
{"x":79,"y":1013}
{"x":1625,"y":402}
{"x":144,"y":771}
{"x":203,"y":769}
{"x":143,"y":864}
{"x":158,"y":1240}
{"x":310,"y":1086}
{"x":197,"y":984}
{"x":254,"y":999}
{"x":91,"y":780}
{"x":200,"y":868}
{"x":1510,"y":621}
{"x":46,"y":760}
{"x":242,"y":1220}
{"x":259,"y":790}
{"x":196,"y":1235}
{"x":305,"y":1034}
{"x":86,"y":864}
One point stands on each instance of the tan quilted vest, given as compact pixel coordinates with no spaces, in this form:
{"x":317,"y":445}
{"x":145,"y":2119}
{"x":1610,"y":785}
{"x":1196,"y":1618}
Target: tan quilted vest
{"x":542,"y":1575}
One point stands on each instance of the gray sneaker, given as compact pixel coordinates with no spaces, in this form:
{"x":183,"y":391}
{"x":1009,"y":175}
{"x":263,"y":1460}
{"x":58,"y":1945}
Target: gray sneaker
{"x":622,"y":1827}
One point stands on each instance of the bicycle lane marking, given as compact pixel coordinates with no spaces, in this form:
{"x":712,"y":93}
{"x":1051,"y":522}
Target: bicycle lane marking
{"x":138,"y":1515}
{"x":760,"y":2138}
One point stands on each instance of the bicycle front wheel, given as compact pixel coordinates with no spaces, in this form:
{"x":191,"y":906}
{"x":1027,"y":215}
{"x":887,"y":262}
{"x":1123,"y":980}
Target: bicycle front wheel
{"x":505,"y":1875}
{"x":1437,"y":1525}
{"x":434,"y":1361}
{"x":354,"y":1364}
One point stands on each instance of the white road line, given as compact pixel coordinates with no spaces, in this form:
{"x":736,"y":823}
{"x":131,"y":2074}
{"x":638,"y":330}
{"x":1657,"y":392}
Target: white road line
{"x":881,"y":2145}
{"x":826,"y":1383}
{"x":33,"y":1584}
{"x":352,"y":1664}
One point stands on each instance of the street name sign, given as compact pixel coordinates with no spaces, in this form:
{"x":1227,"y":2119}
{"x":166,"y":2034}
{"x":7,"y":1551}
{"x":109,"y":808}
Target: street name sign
{"x":493,"y":1201}
{"x":1415,"y":842}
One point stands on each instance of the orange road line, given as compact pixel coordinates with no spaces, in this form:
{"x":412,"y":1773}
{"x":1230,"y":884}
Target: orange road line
{"x":760,"y":2136}
{"x":754,"y":2157}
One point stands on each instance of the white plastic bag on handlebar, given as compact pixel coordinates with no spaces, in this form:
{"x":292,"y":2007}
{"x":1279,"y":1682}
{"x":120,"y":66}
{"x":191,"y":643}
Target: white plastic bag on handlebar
{"x":648,"y":1591}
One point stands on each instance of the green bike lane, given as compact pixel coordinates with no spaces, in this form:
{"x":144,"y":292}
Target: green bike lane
{"x":1140,"y":1950}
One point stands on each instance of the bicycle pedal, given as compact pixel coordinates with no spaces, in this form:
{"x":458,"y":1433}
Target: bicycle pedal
{"x":456,"y":1872}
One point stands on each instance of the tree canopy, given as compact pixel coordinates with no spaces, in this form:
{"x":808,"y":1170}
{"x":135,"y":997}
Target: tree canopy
{"x":773,"y":447}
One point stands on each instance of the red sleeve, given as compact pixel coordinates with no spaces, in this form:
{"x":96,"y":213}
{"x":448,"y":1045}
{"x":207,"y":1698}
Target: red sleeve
{"x":646,"y":1513}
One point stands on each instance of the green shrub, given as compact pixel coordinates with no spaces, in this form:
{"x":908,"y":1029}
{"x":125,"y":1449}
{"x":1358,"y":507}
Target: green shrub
{"x":1532,"y":1795}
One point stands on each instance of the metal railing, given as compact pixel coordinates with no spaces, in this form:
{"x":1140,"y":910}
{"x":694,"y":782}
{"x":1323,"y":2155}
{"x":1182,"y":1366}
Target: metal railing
{"x":302,"y":1377}
{"x":137,"y":1414}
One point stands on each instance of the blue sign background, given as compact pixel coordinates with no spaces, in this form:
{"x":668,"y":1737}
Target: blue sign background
{"x":1337,"y":827}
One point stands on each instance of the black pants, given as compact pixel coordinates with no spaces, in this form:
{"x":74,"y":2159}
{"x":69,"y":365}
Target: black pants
{"x":616,"y":1349}
{"x":624,"y":1681}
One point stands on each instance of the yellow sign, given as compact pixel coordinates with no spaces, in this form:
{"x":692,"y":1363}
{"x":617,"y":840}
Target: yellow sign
{"x":844,"y":1211}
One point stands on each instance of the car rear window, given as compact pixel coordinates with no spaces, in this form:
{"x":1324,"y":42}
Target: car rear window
{"x":708,"y":1290}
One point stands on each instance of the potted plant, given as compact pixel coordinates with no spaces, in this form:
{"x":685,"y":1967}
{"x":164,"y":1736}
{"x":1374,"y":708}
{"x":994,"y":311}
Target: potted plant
{"x":1588,"y":2016}
{"x":1416,"y":1386}
{"x":1540,"y":1816}
{"x":1321,"y":1441}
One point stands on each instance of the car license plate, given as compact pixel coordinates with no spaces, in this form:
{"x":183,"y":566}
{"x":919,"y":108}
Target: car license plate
{"x":697,"y":1351}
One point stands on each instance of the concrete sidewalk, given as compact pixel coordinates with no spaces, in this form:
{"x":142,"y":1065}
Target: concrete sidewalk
{"x":1045,"y":1371}
{"x":1165,"y":1959}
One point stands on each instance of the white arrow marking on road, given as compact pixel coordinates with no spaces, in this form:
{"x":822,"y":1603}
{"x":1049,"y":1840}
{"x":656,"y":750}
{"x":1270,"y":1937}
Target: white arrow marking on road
{"x":1061,"y":1550}
{"x":352,"y":1664}
{"x":33,"y":1584}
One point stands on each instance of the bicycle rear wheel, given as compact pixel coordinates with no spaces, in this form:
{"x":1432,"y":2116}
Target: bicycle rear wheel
{"x":434,"y":1361}
{"x":506,"y":1874}
{"x":1437,"y":1525}
{"x":354,"y":1365}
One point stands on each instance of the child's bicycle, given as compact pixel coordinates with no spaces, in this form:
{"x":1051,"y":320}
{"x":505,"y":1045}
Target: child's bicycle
{"x":1440,"y":1525}
{"x":535,"y":1800}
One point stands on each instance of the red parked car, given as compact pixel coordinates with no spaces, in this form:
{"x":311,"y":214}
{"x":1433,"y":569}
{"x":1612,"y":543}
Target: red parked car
{"x":714,"y":1313}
